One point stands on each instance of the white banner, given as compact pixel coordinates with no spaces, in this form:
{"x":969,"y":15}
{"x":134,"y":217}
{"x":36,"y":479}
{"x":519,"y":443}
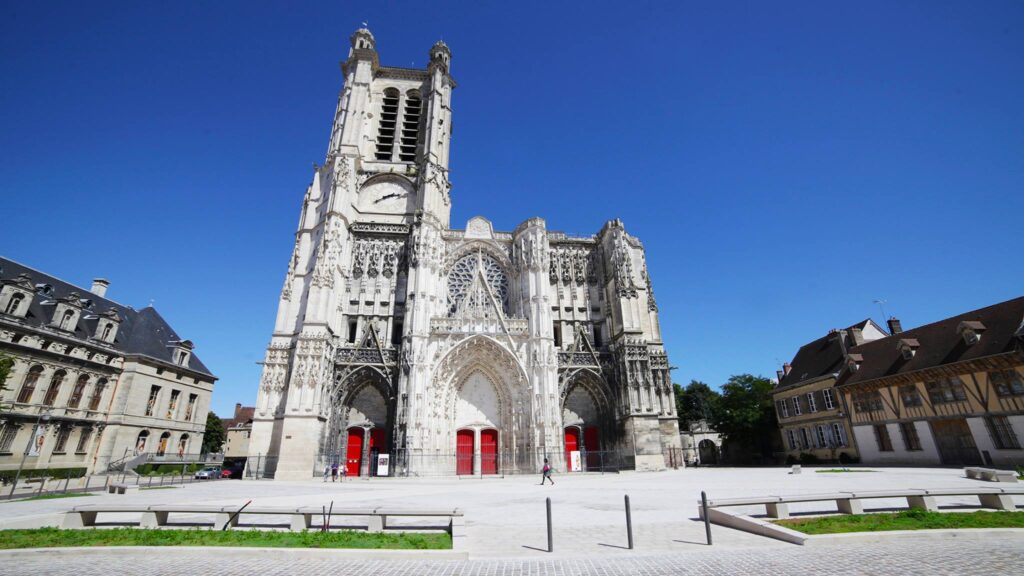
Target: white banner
{"x":38,"y":438}
{"x":574,"y":461}
{"x":383,"y":462}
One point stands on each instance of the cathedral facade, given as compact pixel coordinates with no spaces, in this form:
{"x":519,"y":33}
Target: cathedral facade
{"x":450,"y":351}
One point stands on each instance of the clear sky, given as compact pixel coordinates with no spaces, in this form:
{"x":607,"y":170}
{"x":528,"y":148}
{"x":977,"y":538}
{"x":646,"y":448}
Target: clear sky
{"x":785,"y":163}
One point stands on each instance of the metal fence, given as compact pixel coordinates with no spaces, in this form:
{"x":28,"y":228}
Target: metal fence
{"x":418,"y":463}
{"x":34,"y":487}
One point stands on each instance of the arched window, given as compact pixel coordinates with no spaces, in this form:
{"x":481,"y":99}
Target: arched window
{"x":77,"y":391}
{"x":161,"y":448}
{"x":29,"y":386}
{"x":387,"y":125}
{"x":54,"y":389}
{"x":65,"y":320}
{"x":97,"y":394}
{"x":14,"y":303}
{"x":410,"y":127}
{"x":182,"y":445}
{"x":140,"y":442}
{"x":106,"y":332}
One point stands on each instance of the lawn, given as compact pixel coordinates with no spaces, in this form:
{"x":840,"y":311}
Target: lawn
{"x":56,"y":537}
{"x":56,"y":496}
{"x":906,"y":520}
{"x":842,"y":470}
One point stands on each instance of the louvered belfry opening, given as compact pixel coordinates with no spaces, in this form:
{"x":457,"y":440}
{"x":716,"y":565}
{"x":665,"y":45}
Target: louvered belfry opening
{"x":410,"y":127}
{"x":388,"y":125}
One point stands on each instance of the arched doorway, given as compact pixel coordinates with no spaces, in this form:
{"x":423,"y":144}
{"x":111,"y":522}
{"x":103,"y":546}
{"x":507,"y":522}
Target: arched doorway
{"x":586,"y":413}
{"x":354,"y":451}
{"x":707,"y":452}
{"x":464,"y":449}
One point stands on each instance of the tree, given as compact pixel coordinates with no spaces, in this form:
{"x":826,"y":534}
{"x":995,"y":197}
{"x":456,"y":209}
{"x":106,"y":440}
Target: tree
{"x":214,"y":437}
{"x":6,"y":365}
{"x":695,"y":402}
{"x":746,"y":418}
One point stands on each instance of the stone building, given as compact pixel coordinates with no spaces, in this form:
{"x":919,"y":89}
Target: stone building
{"x":102,"y":380}
{"x":950,"y":392}
{"x":469,"y":351}
{"x":237,"y":431}
{"x":811,"y":414}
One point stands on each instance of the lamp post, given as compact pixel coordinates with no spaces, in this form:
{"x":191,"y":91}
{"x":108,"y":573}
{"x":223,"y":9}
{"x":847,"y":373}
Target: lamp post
{"x":43,"y":417}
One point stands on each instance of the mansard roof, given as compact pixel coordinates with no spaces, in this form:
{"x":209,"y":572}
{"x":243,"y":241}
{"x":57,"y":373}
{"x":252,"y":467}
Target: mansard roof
{"x":940,"y":343}
{"x":818,"y":358}
{"x":140,"y":332}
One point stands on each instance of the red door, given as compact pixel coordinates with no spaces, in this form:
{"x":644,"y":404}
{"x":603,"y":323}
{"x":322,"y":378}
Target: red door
{"x":592,"y":442}
{"x":572,"y":444}
{"x":378,"y":440}
{"x":464,"y":452}
{"x":354,"y":453}
{"x":488,"y":451}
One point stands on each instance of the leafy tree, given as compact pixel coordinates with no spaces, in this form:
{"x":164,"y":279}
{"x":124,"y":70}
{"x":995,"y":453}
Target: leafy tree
{"x":213,"y":439}
{"x":697,"y":401}
{"x":6,"y":365}
{"x":746,"y":418}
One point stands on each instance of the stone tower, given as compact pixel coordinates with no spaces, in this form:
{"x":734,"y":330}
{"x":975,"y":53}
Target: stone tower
{"x":454,"y":351}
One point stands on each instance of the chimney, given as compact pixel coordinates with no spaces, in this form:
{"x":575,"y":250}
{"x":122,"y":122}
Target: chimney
{"x":99,"y":287}
{"x":894,"y":325}
{"x":857,"y":336}
{"x":780,"y":374}
{"x":786,"y":368}
{"x":238,"y":410}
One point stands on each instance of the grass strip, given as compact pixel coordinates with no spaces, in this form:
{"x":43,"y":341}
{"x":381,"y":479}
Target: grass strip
{"x":843,"y":470}
{"x":906,"y":520}
{"x":54,"y":496}
{"x":56,"y":537}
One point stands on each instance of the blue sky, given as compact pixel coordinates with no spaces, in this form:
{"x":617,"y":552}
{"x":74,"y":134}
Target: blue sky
{"x":785,"y":163}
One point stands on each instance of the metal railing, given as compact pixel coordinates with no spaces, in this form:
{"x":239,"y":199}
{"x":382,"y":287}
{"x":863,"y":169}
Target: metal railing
{"x":433,"y":463}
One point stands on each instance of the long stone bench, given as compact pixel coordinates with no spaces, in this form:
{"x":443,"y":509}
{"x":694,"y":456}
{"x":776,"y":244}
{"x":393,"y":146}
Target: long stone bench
{"x":852,"y":502}
{"x":121,"y":488}
{"x":300,"y":518}
{"x":990,"y":474}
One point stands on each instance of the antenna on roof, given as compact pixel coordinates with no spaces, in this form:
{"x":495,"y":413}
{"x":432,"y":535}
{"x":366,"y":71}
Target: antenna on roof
{"x":151,"y":302}
{"x":881,"y":308}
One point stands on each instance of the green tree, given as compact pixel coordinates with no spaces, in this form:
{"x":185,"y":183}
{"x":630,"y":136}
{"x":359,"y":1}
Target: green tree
{"x":215,"y":435}
{"x":746,"y":419}
{"x":6,"y":365}
{"x":697,"y":401}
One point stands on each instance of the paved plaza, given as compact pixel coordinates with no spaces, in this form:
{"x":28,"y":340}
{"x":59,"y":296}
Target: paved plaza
{"x":506,"y":531}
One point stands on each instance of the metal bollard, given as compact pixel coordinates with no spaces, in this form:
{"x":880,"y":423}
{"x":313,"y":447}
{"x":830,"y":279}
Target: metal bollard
{"x":707,"y":519}
{"x":629,"y":524}
{"x":551,"y":539}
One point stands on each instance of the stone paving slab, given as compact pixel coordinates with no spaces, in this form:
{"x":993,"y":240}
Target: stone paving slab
{"x":904,"y":558}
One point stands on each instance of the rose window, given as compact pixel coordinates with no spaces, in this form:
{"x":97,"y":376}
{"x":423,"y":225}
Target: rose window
{"x":466,"y":290}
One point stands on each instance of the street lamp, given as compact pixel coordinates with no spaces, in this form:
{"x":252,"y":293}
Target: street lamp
{"x":43,"y":417}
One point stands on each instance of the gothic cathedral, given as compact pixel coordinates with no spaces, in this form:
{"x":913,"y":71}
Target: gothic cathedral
{"x":450,"y":351}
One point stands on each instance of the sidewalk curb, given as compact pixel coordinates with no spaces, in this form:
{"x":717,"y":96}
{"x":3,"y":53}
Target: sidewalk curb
{"x":243,"y":552}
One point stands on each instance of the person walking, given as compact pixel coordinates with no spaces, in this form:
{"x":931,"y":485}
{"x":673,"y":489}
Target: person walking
{"x":546,"y":473}
{"x":327,"y":470}
{"x":334,"y":472}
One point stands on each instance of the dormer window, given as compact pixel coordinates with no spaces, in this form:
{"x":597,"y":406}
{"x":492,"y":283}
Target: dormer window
{"x":970,"y":331}
{"x":16,"y":296}
{"x":66,"y":320}
{"x":181,"y":352}
{"x":853,"y":362}
{"x":14,"y":304}
{"x":908,"y":347}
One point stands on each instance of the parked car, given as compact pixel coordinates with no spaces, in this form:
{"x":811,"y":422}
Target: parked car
{"x":209,"y":473}
{"x":232,"y":472}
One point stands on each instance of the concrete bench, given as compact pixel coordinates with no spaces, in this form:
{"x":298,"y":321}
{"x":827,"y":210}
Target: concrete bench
{"x":300,"y":518}
{"x":121,"y":488}
{"x":990,"y":474}
{"x":852,"y":502}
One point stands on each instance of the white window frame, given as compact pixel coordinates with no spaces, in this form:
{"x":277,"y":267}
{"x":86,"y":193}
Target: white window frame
{"x":837,"y":431}
{"x":805,"y":439}
{"x":784,"y":408}
{"x":812,"y":406}
{"x":822,"y":440}
{"x":792,"y":439}
{"x":796,"y":405}
{"x":830,"y":402}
